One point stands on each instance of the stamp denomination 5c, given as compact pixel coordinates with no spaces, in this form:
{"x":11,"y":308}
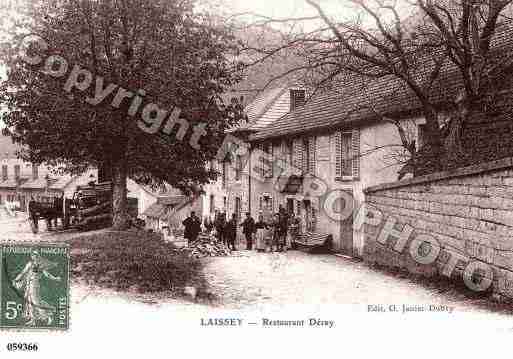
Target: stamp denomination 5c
{"x":34,"y":286}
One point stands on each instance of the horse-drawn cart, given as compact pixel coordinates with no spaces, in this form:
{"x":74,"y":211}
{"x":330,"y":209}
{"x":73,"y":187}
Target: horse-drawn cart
{"x":90,"y":207}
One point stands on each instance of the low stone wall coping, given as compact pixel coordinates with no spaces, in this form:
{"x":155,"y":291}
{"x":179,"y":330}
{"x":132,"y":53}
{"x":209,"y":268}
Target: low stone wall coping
{"x":438,"y":176}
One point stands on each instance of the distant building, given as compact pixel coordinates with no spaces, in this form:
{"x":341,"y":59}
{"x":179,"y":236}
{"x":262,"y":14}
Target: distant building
{"x":19,"y":181}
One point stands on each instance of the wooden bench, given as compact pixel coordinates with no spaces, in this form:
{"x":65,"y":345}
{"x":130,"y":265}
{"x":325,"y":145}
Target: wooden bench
{"x":314,"y":242}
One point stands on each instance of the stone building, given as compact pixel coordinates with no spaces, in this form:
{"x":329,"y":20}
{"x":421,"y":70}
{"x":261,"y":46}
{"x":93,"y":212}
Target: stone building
{"x":21,"y":180}
{"x":230,"y":193}
{"x":338,"y":138}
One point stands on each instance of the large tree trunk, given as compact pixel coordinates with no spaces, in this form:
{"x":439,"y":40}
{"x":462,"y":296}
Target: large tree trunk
{"x":119,"y":195}
{"x":430,"y":158}
{"x":453,"y":141}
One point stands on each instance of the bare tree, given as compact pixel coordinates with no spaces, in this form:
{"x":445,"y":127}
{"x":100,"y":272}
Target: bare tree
{"x":413,"y":45}
{"x":465,"y":30}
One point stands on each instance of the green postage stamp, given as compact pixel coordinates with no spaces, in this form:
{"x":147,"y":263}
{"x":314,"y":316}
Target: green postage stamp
{"x":34,"y":286}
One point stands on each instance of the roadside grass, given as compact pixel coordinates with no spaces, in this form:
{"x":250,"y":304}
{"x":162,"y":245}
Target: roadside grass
{"x":134,"y":261}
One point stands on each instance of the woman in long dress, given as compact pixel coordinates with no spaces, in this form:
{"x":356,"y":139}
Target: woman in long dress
{"x":35,"y":308}
{"x":261,"y":233}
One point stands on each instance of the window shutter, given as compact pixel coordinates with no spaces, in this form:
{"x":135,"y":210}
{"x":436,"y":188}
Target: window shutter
{"x":304,"y":162}
{"x":338,"y":154}
{"x":355,"y":144}
{"x":268,"y":167}
{"x":283,"y":150}
{"x":259,"y":159}
{"x":297,"y":156}
{"x":312,"y":159}
{"x":271,"y":159}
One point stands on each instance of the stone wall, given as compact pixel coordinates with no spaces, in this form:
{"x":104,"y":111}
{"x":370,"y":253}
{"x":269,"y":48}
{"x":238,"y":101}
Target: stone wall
{"x":468,"y":211}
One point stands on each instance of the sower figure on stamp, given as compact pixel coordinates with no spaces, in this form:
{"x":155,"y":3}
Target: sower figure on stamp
{"x":192,"y":226}
{"x":35,"y":308}
{"x":248,"y":228}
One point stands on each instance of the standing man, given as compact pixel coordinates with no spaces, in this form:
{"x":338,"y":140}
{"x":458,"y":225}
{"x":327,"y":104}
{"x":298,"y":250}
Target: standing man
{"x":248,"y":228}
{"x":32,"y":208}
{"x":283,"y":227}
{"x":220,"y":223}
{"x":231,"y":231}
{"x":192,"y":226}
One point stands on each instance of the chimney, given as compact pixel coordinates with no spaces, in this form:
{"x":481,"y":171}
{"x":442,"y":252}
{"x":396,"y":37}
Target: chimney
{"x":35,"y":171}
{"x":297,"y":99}
{"x":5,"y":174}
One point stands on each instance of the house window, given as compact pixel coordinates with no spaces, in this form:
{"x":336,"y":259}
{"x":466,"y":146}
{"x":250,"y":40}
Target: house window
{"x":266,"y":205}
{"x":288,"y":152}
{"x":238,"y":167}
{"x":297,"y":99}
{"x":267,"y":167}
{"x":213,"y":165}
{"x":17,"y":171}
{"x":225,"y":204}
{"x":346,"y":154}
{"x":308,"y":163}
{"x":238,"y":208}
{"x":224,"y":174}
{"x":4,"y":173}
{"x":211,"y":204}
{"x":35,"y":172}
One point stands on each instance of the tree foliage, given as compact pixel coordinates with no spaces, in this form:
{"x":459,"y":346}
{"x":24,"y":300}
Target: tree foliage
{"x":179,"y":58}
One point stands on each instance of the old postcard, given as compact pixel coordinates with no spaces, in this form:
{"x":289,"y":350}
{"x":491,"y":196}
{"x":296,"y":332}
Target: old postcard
{"x":256,"y":178}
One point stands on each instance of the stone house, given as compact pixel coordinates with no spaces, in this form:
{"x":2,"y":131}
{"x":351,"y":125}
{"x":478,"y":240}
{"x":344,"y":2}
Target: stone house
{"x":338,"y":138}
{"x":21,"y":180}
{"x":230,"y":193}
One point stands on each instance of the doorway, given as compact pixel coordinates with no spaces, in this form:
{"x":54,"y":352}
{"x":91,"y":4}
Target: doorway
{"x":346,"y":228}
{"x":290,"y":205}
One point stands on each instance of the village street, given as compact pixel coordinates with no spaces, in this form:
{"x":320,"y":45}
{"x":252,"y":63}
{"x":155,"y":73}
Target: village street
{"x":251,"y":287}
{"x":249,"y":280}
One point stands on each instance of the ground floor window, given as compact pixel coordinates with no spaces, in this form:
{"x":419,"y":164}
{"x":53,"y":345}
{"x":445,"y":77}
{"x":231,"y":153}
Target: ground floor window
{"x":266,"y":205}
{"x":211,"y":204}
{"x":238,"y":208}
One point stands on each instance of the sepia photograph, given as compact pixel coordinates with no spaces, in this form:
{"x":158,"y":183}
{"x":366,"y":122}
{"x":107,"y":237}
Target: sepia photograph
{"x":253,"y":177}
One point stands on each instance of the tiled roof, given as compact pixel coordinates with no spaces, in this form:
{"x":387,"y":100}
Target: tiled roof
{"x":362,"y":100}
{"x":61,"y":182}
{"x":353,"y":102}
{"x":156,"y":210}
{"x":12,"y":183}
{"x":266,"y":108}
{"x":39,"y":183}
{"x":171,"y":200}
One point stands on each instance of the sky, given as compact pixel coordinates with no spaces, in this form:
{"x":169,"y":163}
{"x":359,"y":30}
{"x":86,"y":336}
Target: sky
{"x":274,"y":8}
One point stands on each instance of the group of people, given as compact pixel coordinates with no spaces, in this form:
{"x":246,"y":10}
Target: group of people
{"x":276,"y":234}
